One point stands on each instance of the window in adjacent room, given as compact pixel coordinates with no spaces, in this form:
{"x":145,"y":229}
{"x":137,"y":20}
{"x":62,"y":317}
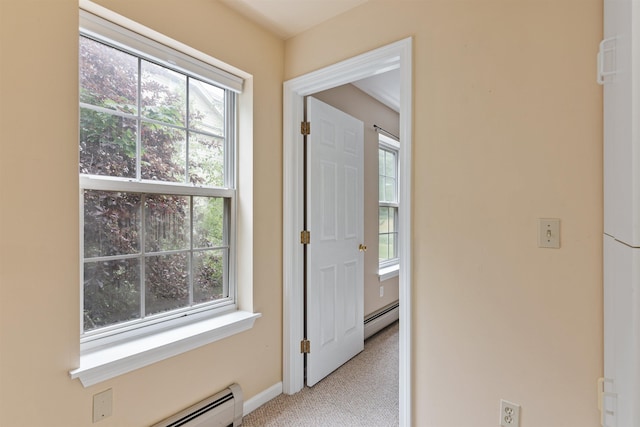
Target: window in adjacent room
{"x":388,"y":202}
{"x":157,"y":184}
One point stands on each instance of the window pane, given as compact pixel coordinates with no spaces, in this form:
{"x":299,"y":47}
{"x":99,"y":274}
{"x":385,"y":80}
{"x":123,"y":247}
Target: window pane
{"x":107,"y":144}
{"x":206,"y":160}
{"x":206,"y":107}
{"x":387,"y":182}
{"x":163,"y":94}
{"x":111,"y":223}
{"x":111,"y":292}
{"x":108,"y":77}
{"x":390,"y":164}
{"x":383,"y":213}
{"x":392,"y":246}
{"x":164,"y":156}
{"x":166,"y":283}
{"x":166,"y":222}
{"x":208,"y":222}
{"x":208,"y":276}
{"x":390,"y":190}
{"x":383,"y":248}
{"x":388,"y":233}
{"x":393,"y":213}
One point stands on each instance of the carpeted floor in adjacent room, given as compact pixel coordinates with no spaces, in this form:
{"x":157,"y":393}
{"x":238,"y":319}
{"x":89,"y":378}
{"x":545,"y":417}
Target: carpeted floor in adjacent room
{"x":362,"y":392}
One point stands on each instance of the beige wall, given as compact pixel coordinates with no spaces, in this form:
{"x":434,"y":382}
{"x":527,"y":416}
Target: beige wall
{"x":39,"y":290}
{"x":358,"y":104}
{"x":507,"y":129}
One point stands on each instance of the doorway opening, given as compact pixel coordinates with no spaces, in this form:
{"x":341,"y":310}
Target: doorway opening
{"x":394,"y":56}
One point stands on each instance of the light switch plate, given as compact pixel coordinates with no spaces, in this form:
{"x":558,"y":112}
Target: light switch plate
{"x":549,"y":233}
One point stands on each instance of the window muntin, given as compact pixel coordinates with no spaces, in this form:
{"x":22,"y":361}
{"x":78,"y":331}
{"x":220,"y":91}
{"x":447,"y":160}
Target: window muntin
{"x":388,"y":202}
{"x":156,"y":156}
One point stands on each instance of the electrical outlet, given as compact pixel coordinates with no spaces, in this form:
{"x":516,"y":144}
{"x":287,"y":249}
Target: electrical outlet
{"x":509,"y":414}
{"x":381,"y":291}
{"x":102,"y":405}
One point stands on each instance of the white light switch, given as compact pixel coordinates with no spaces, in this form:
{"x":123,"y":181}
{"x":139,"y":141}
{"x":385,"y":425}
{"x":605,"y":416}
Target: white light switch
{"x":549,"y":233}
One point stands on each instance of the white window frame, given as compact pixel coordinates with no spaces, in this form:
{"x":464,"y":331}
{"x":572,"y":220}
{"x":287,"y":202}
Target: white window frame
{"x":390,"y":267}
{"x":106,"y":355}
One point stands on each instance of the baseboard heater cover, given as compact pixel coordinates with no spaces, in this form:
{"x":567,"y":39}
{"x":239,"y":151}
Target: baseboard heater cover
{"x":381,"y":319}
{"x":223,"y":409}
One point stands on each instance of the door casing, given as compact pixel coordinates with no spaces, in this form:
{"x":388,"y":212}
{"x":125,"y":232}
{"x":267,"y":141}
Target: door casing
{"x":386,"y":58}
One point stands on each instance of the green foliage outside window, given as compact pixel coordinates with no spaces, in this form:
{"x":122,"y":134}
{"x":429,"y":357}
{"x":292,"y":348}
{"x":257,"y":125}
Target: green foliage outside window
{"x":146,"y":254}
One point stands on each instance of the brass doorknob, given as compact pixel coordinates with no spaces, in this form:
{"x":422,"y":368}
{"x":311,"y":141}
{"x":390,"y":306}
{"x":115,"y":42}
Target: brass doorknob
{"x":362,"y":248}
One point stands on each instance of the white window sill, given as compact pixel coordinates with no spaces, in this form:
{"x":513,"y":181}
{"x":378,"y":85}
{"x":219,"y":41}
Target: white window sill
{"x":108,"y":362}
{"x":388,"y":272}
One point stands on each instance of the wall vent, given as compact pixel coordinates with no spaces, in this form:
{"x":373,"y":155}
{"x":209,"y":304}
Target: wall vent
{"x":223,"y":409}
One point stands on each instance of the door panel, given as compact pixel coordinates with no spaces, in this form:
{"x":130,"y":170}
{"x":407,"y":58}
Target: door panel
{"x":351,"y":222}
{"x":335,"y":200}
{"x":327,"y":201}
{"x":351,"y":320}
{"x":621,"y":334}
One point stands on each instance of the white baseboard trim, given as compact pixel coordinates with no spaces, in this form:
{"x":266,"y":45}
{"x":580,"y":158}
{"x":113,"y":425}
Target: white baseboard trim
{"x":261,"y":398}
{"x":382,"y":321}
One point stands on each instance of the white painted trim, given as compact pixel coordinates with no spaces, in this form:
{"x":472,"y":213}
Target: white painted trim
{"x":108,"y":362}
{"x":393,"y":56}
{"x":387,"y":142}
{"x":107,"y":14}
{"x":386,"y":273}
{"x":261,"y":398}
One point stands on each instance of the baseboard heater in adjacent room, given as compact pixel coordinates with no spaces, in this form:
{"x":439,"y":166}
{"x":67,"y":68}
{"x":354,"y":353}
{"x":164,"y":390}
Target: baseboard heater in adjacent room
{"x":381,"y":319}
{"x":223,"y":409}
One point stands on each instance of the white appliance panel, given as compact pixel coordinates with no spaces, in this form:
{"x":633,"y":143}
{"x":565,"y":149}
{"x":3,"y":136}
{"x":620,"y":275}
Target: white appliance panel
{"x":620,"y":52}
{"x":622,"y":334}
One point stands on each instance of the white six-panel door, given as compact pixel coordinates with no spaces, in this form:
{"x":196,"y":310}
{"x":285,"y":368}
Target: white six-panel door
{"x":335,"y":200}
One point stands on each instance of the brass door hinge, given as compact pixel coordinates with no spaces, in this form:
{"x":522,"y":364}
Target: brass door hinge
{"x":305,"y":237}
{"x":305,"y":346}
{"x":305,"y":128}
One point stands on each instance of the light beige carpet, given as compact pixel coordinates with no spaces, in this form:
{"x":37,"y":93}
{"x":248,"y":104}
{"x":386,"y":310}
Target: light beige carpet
{"x":362,"y":392}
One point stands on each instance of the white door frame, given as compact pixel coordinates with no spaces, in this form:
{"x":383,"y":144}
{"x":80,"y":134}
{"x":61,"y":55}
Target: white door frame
{"x":386,"y":58}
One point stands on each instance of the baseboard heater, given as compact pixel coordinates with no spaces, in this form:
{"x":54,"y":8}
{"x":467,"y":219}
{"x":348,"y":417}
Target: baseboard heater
{"x":381,"y":319}
{"x":223,"y":409}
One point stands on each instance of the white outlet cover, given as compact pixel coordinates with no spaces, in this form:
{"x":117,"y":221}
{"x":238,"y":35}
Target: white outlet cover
{"x":509,"y":414}
{"x":102,"y":405}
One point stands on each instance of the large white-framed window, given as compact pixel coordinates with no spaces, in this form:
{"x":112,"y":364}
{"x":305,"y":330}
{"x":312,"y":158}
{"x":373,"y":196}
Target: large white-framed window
{"x":158,"y":200}
{"x":388,"y":204}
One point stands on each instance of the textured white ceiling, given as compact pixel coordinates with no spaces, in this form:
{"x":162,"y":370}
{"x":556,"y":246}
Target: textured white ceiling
{"x":286,"y":18}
